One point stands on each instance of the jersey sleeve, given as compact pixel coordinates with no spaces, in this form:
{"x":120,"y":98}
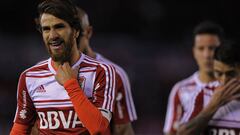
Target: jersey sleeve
{"x":124,"y":107}
{"x":104,"y":87}
{"x":25,"y":112}
{"x":174,"y":111}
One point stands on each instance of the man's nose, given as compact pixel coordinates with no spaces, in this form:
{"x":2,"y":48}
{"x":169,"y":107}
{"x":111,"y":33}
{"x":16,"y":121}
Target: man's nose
{"x":208,"y":54}
{"x":53,"y":34}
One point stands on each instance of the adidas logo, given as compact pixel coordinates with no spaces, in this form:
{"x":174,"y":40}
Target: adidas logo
{"x":40,"y":89}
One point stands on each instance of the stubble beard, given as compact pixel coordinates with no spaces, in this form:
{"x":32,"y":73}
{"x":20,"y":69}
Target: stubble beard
{"x":65,"y":56}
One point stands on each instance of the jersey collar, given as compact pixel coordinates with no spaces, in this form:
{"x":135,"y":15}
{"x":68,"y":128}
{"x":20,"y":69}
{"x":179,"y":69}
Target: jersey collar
{"x":53,"y":70}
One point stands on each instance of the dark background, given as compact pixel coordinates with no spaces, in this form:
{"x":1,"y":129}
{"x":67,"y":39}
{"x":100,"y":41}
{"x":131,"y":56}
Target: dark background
{"x":150,"y":39}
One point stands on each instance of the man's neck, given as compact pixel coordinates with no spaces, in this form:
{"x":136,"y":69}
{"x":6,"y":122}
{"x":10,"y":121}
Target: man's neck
{"x":90,"y":52}
{"x":205,"y":77}
{"x":75,"y":57}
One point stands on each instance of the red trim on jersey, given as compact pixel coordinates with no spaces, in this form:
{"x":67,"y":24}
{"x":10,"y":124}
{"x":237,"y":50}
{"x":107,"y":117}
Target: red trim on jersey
{"x":191,"y":84}
{"x":123,"y":86}
{"x":55,"y":68}
{"x":42,"y":62}
{"x":88,"y":71}
{"x":177,"y":115}
{"x":111,"y":76}
{"x":109,"y":88}
{"x":25,"y":113}
{"x":39,"y":67}
{"x":90,"y":115}
{"x":35,"y":76}
{"x":121,"y":115}
{"x":42,"y":101}
{"x":198,"y":106}
{"x":213,"y":88}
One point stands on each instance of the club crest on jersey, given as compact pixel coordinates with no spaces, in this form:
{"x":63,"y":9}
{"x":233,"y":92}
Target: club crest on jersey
{"x":81,"y":81}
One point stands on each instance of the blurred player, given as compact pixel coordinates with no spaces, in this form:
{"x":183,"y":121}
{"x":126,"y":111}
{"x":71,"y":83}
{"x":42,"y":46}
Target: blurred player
{"x":188,"y":92}
{"x":221,"y":113}
{"x":70,"y":93}
{"x":124,"y":112}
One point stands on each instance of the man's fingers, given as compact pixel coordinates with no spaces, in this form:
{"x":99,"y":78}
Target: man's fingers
{"x":230,"y":90}
{"x":65,"y":66}
{"x":76,"y":71}
{"x":76,"y":68}
{"x":232,"y":93}
{"x":236,"y":89}
{"x":60,"y":68}
{"x":68,"y":71}
{"x":235,"y":97}
{"x":230,"y":83}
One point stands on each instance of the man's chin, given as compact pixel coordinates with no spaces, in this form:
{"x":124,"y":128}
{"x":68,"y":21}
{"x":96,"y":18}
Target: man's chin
{"x":210,"y":72}
{"x":58,"y":59}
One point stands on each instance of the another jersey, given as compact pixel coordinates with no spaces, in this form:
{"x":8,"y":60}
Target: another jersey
{"x":186,"y":100}
{"x":41,"y":98}
{"x":124,"y":109}
{"x":226,"y":121}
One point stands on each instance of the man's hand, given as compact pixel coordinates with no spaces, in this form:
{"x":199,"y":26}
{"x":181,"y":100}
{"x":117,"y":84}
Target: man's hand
{"x":221,"y":96}
{"x":226,"y":93}
{"x":65,"y":73}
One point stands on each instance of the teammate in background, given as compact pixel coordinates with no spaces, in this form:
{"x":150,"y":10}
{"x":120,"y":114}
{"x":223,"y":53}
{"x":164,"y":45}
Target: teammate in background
{"x":221,"y":113}
{"x":124,"y":112}
{"x":70,"y":93}
{"x":188,"y":92}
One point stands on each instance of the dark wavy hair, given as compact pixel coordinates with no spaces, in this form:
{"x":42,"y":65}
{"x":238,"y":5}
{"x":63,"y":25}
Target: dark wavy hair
{"x":63,"y":9}
{"x":208,"y":27}
{"x":229,"y":53}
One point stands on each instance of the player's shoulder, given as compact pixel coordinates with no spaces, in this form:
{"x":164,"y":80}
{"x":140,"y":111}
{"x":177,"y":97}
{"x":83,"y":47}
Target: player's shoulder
{"x":186,"y":83}
{"x":117,"y":67}
{"x":94,"y":63}
{"x":39,"y":68}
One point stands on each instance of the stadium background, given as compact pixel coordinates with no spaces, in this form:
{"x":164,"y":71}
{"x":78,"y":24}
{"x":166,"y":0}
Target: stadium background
{"x":151,"y":39}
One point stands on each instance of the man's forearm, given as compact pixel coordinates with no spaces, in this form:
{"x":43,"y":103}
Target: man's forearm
{"x":89,"y":114}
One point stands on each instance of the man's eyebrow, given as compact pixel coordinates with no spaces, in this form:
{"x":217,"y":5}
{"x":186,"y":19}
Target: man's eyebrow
{"x":216,"y":70}
{"x":230,"y":71}
{"x":59,"y":25}
{"x":45,"y":27}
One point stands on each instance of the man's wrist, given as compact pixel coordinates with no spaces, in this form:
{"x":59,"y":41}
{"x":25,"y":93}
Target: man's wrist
{"x":212,"y":107}
{"x":69,"y":82}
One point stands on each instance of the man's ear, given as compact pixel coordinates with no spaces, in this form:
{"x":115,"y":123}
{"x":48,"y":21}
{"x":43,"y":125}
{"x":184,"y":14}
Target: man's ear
{"x":193,"y":52}
{"x":76,"y":34}
{"x":89,"y":32}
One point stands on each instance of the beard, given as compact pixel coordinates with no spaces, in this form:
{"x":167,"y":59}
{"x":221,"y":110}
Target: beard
{"x":210,"y":73}
{"x":66,"y":54}
{"x":63,"y":57}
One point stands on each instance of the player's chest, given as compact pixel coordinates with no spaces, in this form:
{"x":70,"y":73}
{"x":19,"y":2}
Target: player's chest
{"x":228,"y":114}
{"x":48,"y":88}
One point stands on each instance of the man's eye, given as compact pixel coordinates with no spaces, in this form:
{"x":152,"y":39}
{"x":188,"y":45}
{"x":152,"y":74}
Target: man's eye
{"x":59,"y":26}
{"x":200,"y":48}
{"x":217,"y":74}
{"x":212,"y":47}
{"x":45,"y":29}
{"x":231,"y":74}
